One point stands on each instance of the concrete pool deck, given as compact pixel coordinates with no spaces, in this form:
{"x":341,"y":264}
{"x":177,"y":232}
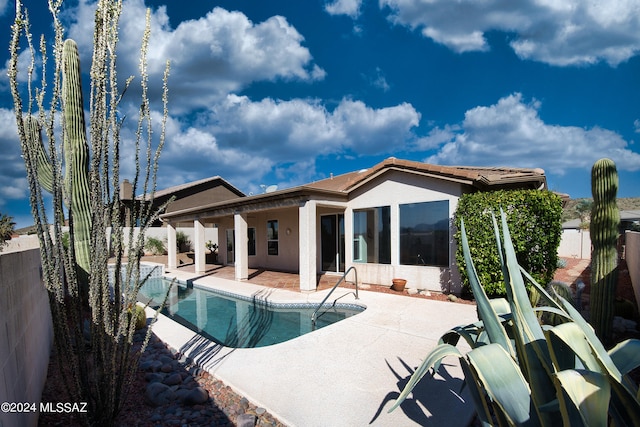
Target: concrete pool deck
{"x":345,"y":374}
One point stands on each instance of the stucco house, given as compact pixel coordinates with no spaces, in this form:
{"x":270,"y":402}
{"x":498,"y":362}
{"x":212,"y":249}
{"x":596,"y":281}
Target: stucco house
{"x":392,"y":220}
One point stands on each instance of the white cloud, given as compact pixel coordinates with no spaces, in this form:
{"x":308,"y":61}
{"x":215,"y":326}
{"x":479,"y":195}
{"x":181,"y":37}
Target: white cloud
{"x":511,"y":133}
{"x":4,"y":7}
{"x":636,"y":125}
{"x":287,"y":131}
{"x":211,"y":56}
{"x":244,"y":140}
{"x":344,"y":7}
{"x":555,"y":32}
{"x":24,"y":62}
{"x":13,"y":183}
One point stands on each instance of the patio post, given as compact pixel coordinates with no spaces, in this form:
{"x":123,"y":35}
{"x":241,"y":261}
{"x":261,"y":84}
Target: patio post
{"x":241,"y":246}
{"x":308,"y":246}
{"x":199,"y":258}
{"x":171,"y":246}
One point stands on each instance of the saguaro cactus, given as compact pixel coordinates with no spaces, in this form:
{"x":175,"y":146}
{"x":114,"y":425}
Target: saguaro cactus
{"x":76,"y":156}
{"x":605,"y":220}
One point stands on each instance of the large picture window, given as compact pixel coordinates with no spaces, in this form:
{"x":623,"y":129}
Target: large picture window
{"x":424,"y":234}
{"x":372,"y":235}
{"x":272,"y":237}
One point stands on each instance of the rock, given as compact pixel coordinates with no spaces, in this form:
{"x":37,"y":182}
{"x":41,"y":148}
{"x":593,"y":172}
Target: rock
{"x":246,"y":420}
{"x":173,"y":379}
{"x":182,"y":393}
{"x":621,"y":325}
{"x":452,"y":298}
{"x":260,"y":411}
{"x":153,"y":377}
{"x":158,"y":394}
{"x":165,"y":359}
{"x":412,"y":291}
{"x":166,"y":368}
{"x":196,"y":396}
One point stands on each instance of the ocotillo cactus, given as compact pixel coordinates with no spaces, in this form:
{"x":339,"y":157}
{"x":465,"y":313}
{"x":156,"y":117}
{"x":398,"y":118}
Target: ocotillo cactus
{"x":76,"y":156}
{"x":605,"y":220}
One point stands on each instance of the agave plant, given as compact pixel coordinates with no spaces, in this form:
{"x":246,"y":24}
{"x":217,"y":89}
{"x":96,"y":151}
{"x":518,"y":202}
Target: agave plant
{"x":520,"y":372}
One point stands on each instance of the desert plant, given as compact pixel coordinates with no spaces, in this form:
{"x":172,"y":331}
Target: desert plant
{"x":6,"y":228}
{"x":605,"y":220}
{"x":137,"y":314}
{"x":84,"y":186}
{"x":556,"y":290}
{"x":182,"y":241}
{"x":524,"y":374}
{"x":155,"y":246}
{"x":535,"y":218}
{"x":212,"y":247}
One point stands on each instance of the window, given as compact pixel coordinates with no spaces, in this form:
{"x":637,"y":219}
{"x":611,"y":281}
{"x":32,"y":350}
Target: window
{"x":372,"y":235}
{"x":272,"y":237}
{"x":424,"y":234}
{"x":251,"y":245}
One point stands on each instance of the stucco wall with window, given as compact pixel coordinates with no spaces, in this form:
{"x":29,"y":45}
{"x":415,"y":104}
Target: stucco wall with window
{"x":397,"y":191}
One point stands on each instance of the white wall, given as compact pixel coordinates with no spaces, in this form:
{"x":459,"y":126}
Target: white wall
{"x":26,"y":333}
{"x":400,"y":188}
{"x":575,"y":244}
{"x":632,"y":255}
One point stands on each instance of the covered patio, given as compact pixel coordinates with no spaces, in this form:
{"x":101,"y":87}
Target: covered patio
{"x":271,"y":232}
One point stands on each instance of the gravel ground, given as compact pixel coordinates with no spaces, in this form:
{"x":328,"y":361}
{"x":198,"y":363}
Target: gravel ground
{"x":223,"y":407}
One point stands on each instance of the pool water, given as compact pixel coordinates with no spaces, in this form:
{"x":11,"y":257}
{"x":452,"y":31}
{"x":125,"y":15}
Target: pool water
{"x":240,"y":322}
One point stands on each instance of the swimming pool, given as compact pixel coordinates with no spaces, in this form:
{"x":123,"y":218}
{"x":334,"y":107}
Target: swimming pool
{"x":241,"y":322}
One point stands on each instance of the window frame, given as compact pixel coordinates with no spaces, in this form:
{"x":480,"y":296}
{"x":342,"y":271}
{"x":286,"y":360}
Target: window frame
{"x":438,"y":238}
{"x":250,"y":241}
{"x":381,"y":228}
{"x":273,"y":246}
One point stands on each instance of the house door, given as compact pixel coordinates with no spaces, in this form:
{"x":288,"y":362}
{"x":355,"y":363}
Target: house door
{"x":332,"y":242}
{"x":231,"y":236}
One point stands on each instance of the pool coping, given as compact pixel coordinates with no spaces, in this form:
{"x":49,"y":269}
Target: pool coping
{"x":347,"y":373}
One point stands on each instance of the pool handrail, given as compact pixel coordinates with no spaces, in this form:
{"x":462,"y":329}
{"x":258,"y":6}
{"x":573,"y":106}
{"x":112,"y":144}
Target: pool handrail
{"x":313,"y":316}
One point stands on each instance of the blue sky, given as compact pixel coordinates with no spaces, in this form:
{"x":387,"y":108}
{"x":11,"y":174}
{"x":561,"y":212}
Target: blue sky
{"x":287,"y":92}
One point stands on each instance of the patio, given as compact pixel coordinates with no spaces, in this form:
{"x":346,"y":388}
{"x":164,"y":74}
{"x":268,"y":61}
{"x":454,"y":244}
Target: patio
{"x":269,"y":278}
{"x":348,"y":373}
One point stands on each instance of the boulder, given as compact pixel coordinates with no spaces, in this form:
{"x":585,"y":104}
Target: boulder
{"x":173,"y":379}
{"x":246,"y":420}
{"x":196,"y":396}
{"x":158,"y":394}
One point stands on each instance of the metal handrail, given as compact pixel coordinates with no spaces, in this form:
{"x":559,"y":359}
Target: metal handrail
{"x":313,"y":316}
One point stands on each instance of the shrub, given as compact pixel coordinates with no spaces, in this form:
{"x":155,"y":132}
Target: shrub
{"x":535,"y":218}
{"x":6,"y":229}
{"x":155,"y":246}
{"x":182,"y":242}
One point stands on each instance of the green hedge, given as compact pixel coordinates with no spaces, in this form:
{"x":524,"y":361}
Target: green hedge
{"x":534,"y":218}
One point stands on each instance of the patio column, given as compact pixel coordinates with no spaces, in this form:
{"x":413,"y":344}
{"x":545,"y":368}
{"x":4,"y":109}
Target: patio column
{"x":308,"y":246}
{"x":172,"y":250}
{"x":241,"y":246}
{"x":199,"y":259}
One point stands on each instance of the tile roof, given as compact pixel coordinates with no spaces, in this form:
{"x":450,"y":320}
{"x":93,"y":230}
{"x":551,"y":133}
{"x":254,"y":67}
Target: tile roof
{"x":477,"y":176}
{"x":339,"y":186}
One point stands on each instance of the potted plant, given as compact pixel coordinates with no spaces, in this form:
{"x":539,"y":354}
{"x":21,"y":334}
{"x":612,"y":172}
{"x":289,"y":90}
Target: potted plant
{"x":398,"y":284}
{"x":213,"y":252}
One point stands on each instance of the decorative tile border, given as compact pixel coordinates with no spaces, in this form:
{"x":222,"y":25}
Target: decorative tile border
{"x":271,"y":304}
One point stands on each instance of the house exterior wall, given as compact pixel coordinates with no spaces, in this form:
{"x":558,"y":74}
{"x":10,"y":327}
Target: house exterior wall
{"x":395,"y":189}
{"x":194,"y":197}
{"x":288,"y":249}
